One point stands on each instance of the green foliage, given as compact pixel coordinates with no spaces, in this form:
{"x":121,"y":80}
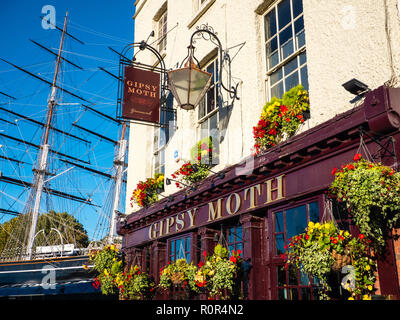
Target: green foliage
{"x":322,"y":247}
{"x":372,"y":193}
{"x":280,"y":118}
{"x":71,"y":230}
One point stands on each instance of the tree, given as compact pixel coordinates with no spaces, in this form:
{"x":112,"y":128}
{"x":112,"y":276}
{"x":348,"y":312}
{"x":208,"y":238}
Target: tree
{"x":72,"y":231}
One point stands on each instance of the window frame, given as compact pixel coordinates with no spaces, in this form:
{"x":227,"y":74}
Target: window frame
{"x":162,"y":24}
{"x":282,"y":62}
{"x":187,"y":250}
{"x":277,"y":261}
{"x":214,"y":112}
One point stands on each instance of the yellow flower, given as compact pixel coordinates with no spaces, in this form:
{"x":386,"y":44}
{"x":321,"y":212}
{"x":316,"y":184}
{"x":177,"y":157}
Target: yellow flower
{"x":366,"y":297}
{"x":106,"y":272}
{"x":112,"y":247}
{"x":350,"y":298}
{"x":346,"y":234}
{"x":367,"y":267}
{"x":211,"y":272}
{"x":370,"y":288}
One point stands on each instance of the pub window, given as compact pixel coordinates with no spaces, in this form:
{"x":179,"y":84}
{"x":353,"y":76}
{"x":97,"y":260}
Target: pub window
{"x":179,"y":248}
{"x":208,"y":115}
{"x":285,"y":47}
{"x":234,"y":239}
{"x":292,"y":284}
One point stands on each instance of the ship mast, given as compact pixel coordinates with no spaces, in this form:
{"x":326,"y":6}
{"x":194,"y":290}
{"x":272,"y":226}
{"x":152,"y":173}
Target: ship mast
{"x":119,"y":164}
{"x":40,"y":171}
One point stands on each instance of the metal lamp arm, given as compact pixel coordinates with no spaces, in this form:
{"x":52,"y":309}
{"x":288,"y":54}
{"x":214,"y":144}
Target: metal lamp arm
{"x":233,"y":91}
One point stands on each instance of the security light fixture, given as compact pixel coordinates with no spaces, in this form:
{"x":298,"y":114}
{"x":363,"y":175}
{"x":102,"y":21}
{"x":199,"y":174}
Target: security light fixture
{"x":356,"y":87}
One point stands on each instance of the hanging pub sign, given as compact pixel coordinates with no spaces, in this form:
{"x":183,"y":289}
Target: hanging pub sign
{"x":141,"y":100}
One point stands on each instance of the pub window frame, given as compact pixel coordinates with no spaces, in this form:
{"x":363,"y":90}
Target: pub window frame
{"x":288,"y":70}
{"x":188,"y":249}
{"x":304,"y":283}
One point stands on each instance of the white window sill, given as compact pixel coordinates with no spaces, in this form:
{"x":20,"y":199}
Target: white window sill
{"x":199,"y":13}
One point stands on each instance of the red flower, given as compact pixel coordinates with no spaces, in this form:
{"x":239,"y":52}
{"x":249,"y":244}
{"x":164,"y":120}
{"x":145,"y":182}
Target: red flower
{"x":333,"y":171}
{"x":357,"y":156}
{"x":239,"y":252}
{"x":204,"y":253}
{"x":200,"y":264}
{"x":233,"y":259}
{"x":361,"y":236}
{"x":96,"y":283}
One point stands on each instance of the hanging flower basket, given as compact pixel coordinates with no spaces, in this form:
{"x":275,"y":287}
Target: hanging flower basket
{"x":322,"y":248}
{"x":371,"y":192}
{"x":341,"y":260}
{"x":146,"y":192}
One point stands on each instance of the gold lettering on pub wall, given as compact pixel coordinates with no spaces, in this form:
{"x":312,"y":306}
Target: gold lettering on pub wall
{"x":278,"y":189}
{"x":252,"y":198}
{"x":272,"y":189}
{"x":214,"y":214}
{"x":229,"y":205}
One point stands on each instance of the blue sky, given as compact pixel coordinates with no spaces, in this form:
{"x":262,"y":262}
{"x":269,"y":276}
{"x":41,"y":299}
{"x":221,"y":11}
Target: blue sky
{"x":99,"y":24}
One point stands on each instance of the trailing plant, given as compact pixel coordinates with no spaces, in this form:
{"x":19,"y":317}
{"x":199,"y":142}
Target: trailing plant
{"x":280,"y":118}
{"x":371,"y":192}
{"x":179,"y":273}
{"x":146,"y":192}
{"x":220,"y":274}
{"x":112,"y":279}
{"x":108,"y":264}
{"x":323,"y":248}
{"x":135,"y":284}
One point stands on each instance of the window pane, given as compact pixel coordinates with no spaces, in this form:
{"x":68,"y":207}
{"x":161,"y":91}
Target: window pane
{"x":279,"y":244}
{"x":303,"y":58}
{"x":293,"y":294}
{"x":172,"y":248}
{"x":297,"y":7}
{"x":211,"y":99}
{"x":304,"y":77}
{"x":299,"y":25}
{"x":210,"y":69}
{"x":214,"y":125}
{"x":239,"y":234}
{"x":202,"y":108}
{"x":282,"y":294}
{"x":284,"y":15}
{"x":270,"y":25}
{"x":314,"y":213}
{"x":231,"y":237}
{"x":272,"y":53}
{"x":276,"y":76}
{"x":291,"y":81}
{"x":281,"y":276}
{"x":292,"y":273}
{"x":188,"y":244}
{"x":296,"y":220}
{"x":279,"y":222}
{"x":277,"y":90}
{"x":306,"y":294}
{"x":290,"y":66}
{"x":286,"y":42}
{"x":304,"y":279}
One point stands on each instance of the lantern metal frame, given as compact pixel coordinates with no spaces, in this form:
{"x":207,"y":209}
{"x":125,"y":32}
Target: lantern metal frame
{"x":207,"y":33}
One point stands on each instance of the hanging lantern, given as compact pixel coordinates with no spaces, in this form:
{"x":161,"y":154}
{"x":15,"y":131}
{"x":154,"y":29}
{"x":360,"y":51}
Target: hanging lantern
{"x":189,"y":85}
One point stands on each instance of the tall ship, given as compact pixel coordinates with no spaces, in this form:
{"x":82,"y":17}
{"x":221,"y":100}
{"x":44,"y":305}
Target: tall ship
{"x":63,"y":170}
